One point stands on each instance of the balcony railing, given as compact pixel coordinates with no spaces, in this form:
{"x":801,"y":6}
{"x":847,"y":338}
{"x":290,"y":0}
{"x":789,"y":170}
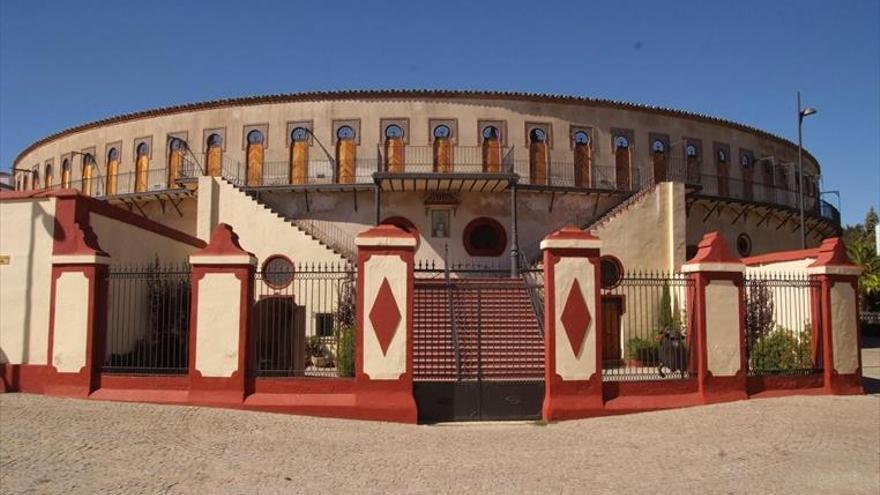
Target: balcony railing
{"x":461,"y":160}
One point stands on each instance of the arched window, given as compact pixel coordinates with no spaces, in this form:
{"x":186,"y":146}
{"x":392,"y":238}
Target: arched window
{"x":299,"y":155}
{"x":176,"y":149}
{"x":112,"y":171}
{"x":442,"y":131}
{"x":141,"y":167}
{"x":65,"y":174}
{"x":538,"y":156}
{"x":47,"y":176}
{"x":491,"y":149}
{"x":722,"y":156}
{"x":746,"y":161}
{"x":658,"y":158}
{"x":346,"y":154}
{"x":692,"y":163}
{"x":393,"y":131}
{"x":691,"y":151}
{"x":443,"y":161}
{"x":299,"y":134}
{"x":402,"y":223}
{"x":35,"y":178}
{"x":622,"y":163}
{"x":582,"y":157}
{"x":484,"y":236}
{"x":658,"y":146}
{"x":345,"y":132}
{"x":88,"y":166}
{"x":254,"y":163}
{"x":215,"y":155}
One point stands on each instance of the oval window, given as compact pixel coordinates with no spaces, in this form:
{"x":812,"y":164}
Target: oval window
{"x":442,"y":131}
{"x":744,"y":244}
{"x":393,"y":131}
{"x":611,"y":272}
{"x":345,"y":132}
{"x":278,"y":272}
{"x":255,"y":137}
{"x":537,"y":135}
{"x":215,"y":140}
{"x":299,"y":134}
{"x":484,"y":237}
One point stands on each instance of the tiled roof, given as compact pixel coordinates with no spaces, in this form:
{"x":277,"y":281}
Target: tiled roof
{"x":401,"y":93}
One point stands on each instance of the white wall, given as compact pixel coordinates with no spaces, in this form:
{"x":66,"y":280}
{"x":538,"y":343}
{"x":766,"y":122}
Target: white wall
{"x":127,"y":243}
{"x":26,"y":230}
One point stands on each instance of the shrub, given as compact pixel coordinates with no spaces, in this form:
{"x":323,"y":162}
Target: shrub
{"x":345,"y":346}
{"x":782,"y":350}
{"x":644,"y":350}
{"x":314,"y":347}
{"x":759,"y":312}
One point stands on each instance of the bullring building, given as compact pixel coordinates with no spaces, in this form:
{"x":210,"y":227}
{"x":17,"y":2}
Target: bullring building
{"x":478,"y":178}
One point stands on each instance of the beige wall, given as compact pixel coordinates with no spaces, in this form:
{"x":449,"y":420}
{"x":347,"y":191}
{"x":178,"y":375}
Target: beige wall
{"x":467,"y":111}
{"x":217,"y":324}
{"x":844,"y":328}
{"x":765,"y":238}
{"x":127,"y":243}
{"x":722,"y":328}
{"x":71,"y":322}
{"x":649,"y":234}
{"x":571,"y":366}
{"x":391,"y":364}
{"x":26,"y":230}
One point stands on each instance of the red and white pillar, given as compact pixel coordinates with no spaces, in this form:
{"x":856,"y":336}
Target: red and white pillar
{"x":572,"y":316}
{"x":838,"y":309}
{"x":384,"y":357}
{"x":222,"y":291}
{"x":78,"y":303}
{"x":718,"y":321}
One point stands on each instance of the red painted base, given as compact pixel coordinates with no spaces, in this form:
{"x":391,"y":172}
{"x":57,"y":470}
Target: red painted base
{"x":845,"y":384}
{"x":572,"y":399}
{"x":781,"y":385}
{"x":717,"y":389}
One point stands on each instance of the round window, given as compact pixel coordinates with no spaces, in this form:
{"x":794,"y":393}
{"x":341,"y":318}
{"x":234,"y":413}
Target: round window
{"x":299,"y":134}
{"x":484,"y":237}
{"x":490,"y":133}
{"x":278,"y":272}
{"x":621,"y":142}
{"x":744,"y":244}
{"x":442,"y":131}
{"x":255,"y":137}
{"x":581,"y":137}
{"x":611,"y":272}
{"x":393,"y":131}
{"x":214,"y":140}
{"x":537,"y":135}
{"x":345,"y":132}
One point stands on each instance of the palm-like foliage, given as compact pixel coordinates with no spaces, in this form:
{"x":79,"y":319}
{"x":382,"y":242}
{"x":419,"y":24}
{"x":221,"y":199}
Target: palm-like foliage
{"x":861,"y":249}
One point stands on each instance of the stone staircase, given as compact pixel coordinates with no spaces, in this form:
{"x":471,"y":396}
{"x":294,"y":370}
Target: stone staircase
{"x":498,"y":333}
{"x":323,"y":233}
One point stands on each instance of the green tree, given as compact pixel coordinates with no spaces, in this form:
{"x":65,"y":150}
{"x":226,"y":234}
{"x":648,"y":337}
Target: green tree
{"x":862,"y":250}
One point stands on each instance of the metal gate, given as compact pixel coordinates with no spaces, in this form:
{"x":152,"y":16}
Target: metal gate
{"x":478,"y":349}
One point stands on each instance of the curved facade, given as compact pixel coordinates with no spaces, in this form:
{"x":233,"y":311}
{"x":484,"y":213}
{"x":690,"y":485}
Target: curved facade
{"x":573,"y":160}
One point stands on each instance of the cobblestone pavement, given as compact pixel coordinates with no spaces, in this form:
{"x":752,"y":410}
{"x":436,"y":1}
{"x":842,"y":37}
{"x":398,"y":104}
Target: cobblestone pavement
{"x":790,"y":445}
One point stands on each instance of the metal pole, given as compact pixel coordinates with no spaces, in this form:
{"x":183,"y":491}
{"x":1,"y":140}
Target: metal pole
{"x":801,"y":170}
{"x":514,"y":244}
{"x":378,"y":199}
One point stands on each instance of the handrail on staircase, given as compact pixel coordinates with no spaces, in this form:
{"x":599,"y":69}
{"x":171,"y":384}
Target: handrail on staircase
{"x":452,"y":316}
{"x":533,"y":284}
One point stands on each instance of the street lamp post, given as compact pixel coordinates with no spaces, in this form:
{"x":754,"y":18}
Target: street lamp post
{"x":802,"y":112}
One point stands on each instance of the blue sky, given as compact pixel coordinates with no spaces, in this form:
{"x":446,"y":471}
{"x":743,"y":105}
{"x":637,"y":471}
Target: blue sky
{"x":64,"y":63}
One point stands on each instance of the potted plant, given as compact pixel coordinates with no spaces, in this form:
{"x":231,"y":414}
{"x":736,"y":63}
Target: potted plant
{"x":641,"y":352}
{"x":316,"y":352}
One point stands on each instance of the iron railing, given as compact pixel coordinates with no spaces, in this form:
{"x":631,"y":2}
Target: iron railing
{"x":646,"y":332}
{"x":533,"y":278}
{"x":463,"y":159}
{"x":302,"y":321}
{"x":147,"y":319}
{"x":564,"y":174}
{"x":782,"y":324}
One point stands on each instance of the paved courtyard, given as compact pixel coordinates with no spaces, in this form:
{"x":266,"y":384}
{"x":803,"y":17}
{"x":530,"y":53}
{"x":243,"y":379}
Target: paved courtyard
{"x":791,"y":445}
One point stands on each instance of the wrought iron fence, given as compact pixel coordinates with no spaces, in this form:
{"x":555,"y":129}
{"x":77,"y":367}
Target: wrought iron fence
{"x":302,"y":322}
{"x":565,"y":174}
{"x":148,"y":319}
{"x":463,"y":159}
{"x":646,"y":332}
{"x":782,"y":324}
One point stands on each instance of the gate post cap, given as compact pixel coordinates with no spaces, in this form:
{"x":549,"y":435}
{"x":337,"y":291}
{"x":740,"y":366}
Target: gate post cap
{"x":571,"y":237}
{"x":832,"y":258}
{"x":385,"y":235}
{"x":223,"y":248}
{"x":713,"y":255}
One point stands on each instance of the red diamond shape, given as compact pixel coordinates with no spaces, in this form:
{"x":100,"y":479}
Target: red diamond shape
{"x":385,"y":316}
{"x":575,"y":317}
